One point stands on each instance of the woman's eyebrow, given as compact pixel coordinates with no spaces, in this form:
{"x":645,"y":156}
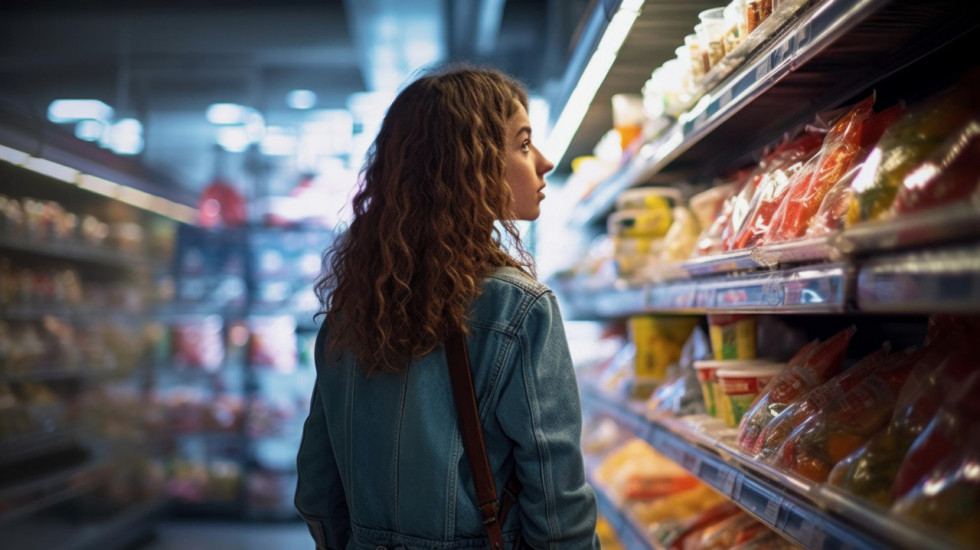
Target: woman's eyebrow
{"x":524,"y":129}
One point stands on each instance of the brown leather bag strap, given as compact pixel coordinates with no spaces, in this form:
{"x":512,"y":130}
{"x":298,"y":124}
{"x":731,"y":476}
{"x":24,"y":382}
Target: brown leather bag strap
{"x":473,"y":444}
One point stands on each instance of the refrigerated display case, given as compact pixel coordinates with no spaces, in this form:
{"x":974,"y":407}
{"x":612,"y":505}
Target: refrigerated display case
{"x":239,"y":374}
{"x":887,"y":267}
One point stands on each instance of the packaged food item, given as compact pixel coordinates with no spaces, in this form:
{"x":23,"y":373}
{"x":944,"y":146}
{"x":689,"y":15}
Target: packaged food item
{"x":714,"y":399}
{"x":742,"y":386}
{"x":636,"y":471}
{"x":711,"y":239}
{"x":659,"y":342}
{"x":640,"y":223}
{"x":948,"y":430}
{"x":805,"y":195}
{"x":648,"y":198}
{"x":835,"y":432}
{"x":676,"y":508}
{"x":707,"y":205}
{"x":947,"y":499}
{"x":812,"y":365}
{"x":681,"y":238}
{"x":949,"y":175}
{"x":789,"y":162}
{"x":732,"y":335}
{"x":812,"y":402}
{"x":681,"y":396}
{"x":916,"y":134}
{"x":870,"y":472}
{"x":830,"y":214}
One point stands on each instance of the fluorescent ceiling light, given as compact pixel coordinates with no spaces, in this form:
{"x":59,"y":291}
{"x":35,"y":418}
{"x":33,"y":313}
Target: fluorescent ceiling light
{"x":301,"y":99}
{"x":233,"y":139}
{"x":226,"y":113}
{"x":588,"y":84}
{"x":278,"y":143}
{"x":89,"y":130}
{"x":72,"y":110}
{"x":51,"y":169}
{"x":98,"y":185}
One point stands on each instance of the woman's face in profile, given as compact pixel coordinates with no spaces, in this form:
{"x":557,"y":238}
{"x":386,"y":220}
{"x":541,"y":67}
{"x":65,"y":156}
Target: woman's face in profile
{"x":525,"y":167}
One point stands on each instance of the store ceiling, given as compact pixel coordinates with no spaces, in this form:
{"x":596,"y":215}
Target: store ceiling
{"x":164,"y":62}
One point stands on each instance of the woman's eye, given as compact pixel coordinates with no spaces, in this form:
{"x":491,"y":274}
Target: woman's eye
{"x":526,"y":146}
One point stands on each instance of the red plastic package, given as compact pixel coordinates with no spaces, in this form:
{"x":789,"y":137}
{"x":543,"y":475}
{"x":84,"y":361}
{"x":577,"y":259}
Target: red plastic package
{"x":814,"y":401}
{"x":710,"y":241}
{"x":950,"y":175}
{"x":840,"y":147}
{"x":947,"y":431}
{"x":838,"y":430}
{"x":810,"y":367}
{"x":870,"y":472}
{"x":832,"y":209}
{"x":787,"y":163}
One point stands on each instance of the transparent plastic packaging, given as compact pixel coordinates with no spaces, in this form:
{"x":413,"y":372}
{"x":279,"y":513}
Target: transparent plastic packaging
{"x":948,"y":497}
{"x":813,"y":364}
{"x":757,"y":201}
{"x":840,"y":147}
{"x":950,"y":175}
{"x":842,"y":427}
{"x":832,"y":209}
{"x":916,"y":135}
{"x":870,"y":472}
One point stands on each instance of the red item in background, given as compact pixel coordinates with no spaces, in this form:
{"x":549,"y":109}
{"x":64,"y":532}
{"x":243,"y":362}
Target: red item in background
{"x":840,"y":148}
{"x":221,"y":205}
{"x":951,"y":174}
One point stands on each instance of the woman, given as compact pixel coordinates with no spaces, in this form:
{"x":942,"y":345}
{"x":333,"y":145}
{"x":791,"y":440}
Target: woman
{"x":381,"y":464}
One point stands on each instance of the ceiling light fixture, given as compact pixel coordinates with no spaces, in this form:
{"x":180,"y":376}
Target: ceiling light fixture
{"x":89,"y":130}
{"x":592,"y":77}
{"x":72,"y":110}
{"x":226,"y":113}
{"x":301,"y":99}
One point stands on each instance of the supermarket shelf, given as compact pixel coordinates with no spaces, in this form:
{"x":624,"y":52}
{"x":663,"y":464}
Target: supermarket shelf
{"x":929,"y":281}
{"x":804,"y":68}
{"x":809,"y":289}
{"x":797,"y":509}
{"x":17,"y":449}
{"x":76,"y":252}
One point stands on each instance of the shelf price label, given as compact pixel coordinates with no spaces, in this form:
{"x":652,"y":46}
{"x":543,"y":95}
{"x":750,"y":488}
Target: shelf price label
{"x":727,"y":485}
{"x":771,"y":514}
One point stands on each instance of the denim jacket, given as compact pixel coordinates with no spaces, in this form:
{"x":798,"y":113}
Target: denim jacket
{"x":381,"y":464}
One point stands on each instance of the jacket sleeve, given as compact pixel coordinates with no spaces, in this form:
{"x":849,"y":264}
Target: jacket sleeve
{"x":320,"y":496}
{"x":540,"y":410}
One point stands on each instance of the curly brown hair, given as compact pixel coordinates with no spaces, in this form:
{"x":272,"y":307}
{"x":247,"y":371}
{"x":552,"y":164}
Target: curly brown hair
{"x":425,"y":228}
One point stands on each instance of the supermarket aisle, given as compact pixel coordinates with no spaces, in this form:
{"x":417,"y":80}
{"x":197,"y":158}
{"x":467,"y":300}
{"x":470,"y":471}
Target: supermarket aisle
{"x":197,"y":535}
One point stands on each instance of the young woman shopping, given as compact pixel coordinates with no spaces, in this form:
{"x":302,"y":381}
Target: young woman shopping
{"x":382,"y":464}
